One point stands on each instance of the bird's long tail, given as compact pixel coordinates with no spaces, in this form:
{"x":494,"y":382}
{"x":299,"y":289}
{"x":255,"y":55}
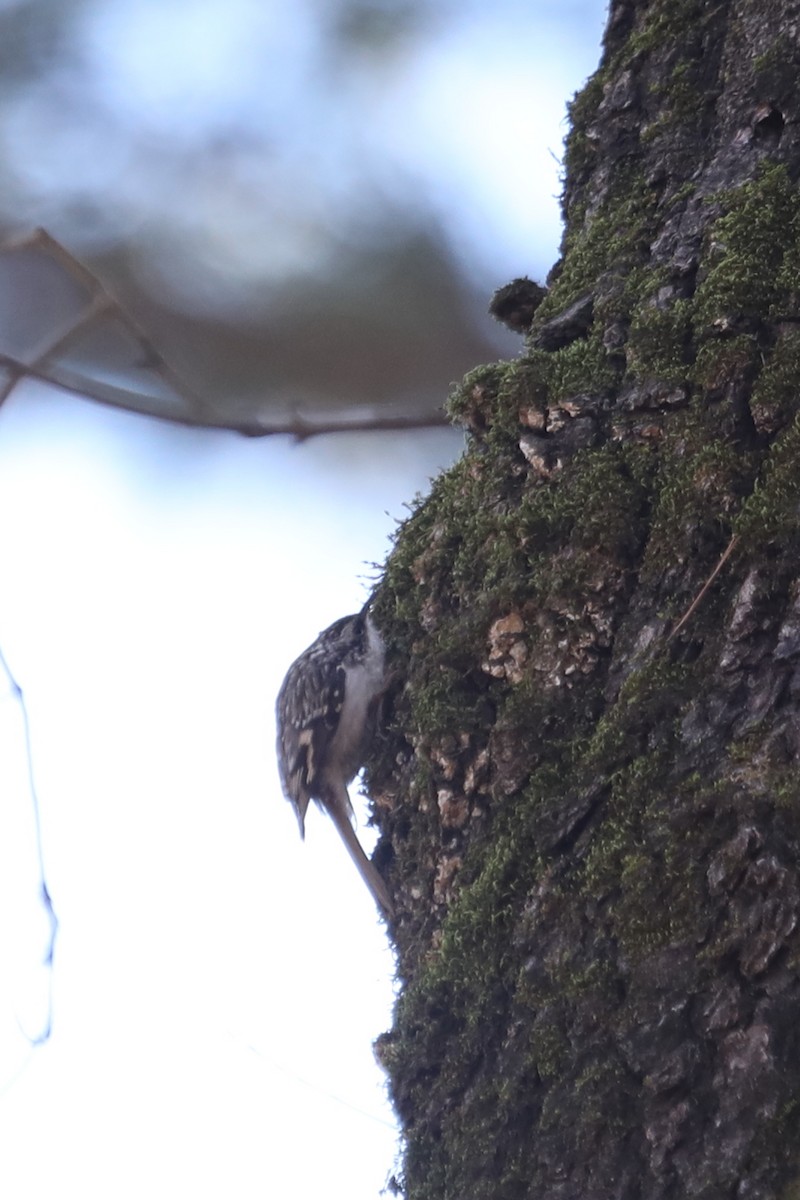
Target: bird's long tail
{"x":339,"y":809}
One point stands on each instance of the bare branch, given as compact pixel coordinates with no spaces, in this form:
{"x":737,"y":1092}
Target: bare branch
{"x":295,"y":425}
{"x":183,"y":407}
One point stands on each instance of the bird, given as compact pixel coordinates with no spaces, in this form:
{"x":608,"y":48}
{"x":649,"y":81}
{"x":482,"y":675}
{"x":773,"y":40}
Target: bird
{"x":326,"y":717}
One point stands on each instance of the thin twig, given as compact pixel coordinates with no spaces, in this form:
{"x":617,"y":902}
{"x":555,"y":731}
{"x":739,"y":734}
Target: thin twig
{"x":18,"y":369}
{"x":44,"y":891}
{"x":101,"y":302}
{"x":315,"y":1087}
{"x":728,"y":551}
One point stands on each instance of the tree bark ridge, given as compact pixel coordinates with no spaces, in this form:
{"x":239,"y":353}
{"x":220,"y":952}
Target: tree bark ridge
{"x":591,"y":827}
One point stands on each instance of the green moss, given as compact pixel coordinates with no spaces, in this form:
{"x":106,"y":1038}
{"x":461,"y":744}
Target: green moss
{"x":680,"y":97}
{"x":583,"y":367}
{"x":617,"y":238}
{"x":600,"y":505}
{"x":475,"y":931}
{"x":664,"y":25}
{"x":524,"y":389}
{"x":775,"y":399}
{"x":579,"y":149}
{"x":641,"y":856}
{"x":481,"y":545}
{"x":454,"y":538}
{"x":722,"y":362}
{"x":473,"y":402}
{"x":584,"y":104}
{"x":702,"y":480}
{"x":682,"y":193}
{"x":492,"y":401}
{"x":444,"y":700}
{"x":641,"y":722}
{"x":786,"y":304}
{"x":746,"y":249}
{"x":549,"y":1049}
{"x":785,"y":788}
{"x":770,"y":513}
{"x":658,"y":341}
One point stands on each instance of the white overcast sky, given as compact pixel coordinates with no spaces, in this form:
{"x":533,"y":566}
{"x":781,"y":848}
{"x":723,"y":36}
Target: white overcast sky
{"x":217,"y":983}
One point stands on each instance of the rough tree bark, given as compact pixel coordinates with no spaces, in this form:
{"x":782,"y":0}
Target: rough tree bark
{"x":589,"y":806}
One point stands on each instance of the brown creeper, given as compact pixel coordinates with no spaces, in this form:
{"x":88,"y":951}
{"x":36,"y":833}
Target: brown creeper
{"x":326,"y":712}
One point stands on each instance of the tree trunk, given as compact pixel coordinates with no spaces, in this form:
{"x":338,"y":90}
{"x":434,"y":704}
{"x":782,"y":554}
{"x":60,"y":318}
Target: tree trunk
{"x":589,"y":793}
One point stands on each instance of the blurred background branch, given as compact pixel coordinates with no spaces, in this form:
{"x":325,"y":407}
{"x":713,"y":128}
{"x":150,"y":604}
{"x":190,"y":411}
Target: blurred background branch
{"x":93,"y":327}
{"x":306,"y":207}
